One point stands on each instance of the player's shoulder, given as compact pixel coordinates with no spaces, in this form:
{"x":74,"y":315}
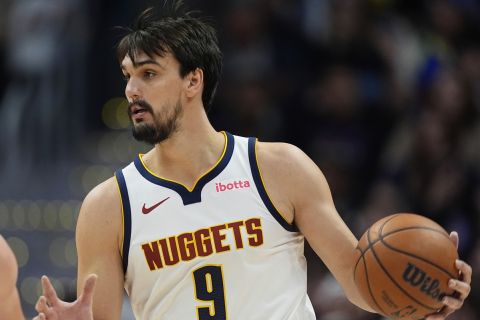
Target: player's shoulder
{"x":287,"y":163}
{"x":280,"y":154}
{"x":104,"y":192}
{"x":104,"y":198}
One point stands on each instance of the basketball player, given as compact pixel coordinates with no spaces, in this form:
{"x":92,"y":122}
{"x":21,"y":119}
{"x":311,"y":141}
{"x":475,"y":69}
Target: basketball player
{"x":9,"y":301}
{"x":206,"y":225}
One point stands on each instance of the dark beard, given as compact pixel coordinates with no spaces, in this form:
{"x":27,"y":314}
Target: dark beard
{"x":163,"y":126}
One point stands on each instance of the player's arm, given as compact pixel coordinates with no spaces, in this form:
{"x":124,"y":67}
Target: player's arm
{"x":301,"y":193}
{"x":98,"y":237}
{"x":10,"y":307}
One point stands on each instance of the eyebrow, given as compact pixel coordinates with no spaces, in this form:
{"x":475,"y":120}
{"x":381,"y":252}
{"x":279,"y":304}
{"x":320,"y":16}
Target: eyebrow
{"x":139,"y":64}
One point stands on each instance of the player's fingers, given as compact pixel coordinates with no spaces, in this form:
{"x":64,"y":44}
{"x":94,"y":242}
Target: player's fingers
{"x":41,"y":316}
{"x":41,"y":305}
{"x":49,"y":291}
{"x":454,"y":238}
{"x":452,"y":303}
{"x":461,"y":287}
{"x":88,"y":288}
{"x":440,"y":315}
{"x":465,"y":269}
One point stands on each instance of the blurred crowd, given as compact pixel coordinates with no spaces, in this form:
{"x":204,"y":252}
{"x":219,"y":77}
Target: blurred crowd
{"x":384,"y":95}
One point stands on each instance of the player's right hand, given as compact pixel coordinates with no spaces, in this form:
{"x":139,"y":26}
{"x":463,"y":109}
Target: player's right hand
{"x":50,"y":307}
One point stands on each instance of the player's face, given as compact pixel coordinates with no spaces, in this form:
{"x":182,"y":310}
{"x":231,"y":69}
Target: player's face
{"x":153,"y":91}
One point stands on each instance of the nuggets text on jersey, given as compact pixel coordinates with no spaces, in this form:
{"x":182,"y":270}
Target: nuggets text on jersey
{"x":202,"y":243}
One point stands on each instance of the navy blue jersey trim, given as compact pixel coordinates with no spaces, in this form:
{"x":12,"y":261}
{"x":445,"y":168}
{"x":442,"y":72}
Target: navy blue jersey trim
{"x":194,"y":196}
{"x":261,"y":188}
{"x":127,"y":218}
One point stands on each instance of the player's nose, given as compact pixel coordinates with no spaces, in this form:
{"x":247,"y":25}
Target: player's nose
{"x":132,"y":90}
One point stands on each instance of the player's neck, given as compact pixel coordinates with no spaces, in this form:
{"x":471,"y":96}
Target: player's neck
{"x":188,"y":153}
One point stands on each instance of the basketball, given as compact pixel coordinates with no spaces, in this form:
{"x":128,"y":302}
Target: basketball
{"x":403,"y":265}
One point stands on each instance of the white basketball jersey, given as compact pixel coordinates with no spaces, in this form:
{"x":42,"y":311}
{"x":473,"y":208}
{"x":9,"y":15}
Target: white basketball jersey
{"x":219,"y":251}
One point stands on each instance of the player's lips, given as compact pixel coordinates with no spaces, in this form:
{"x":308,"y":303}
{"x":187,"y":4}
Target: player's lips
{"x":136,"y":109}
{"x":137,"y":112}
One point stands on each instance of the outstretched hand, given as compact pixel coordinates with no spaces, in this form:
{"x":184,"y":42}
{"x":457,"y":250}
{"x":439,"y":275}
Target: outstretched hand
{"x":460,"y":285}
{"x":50,"y":307}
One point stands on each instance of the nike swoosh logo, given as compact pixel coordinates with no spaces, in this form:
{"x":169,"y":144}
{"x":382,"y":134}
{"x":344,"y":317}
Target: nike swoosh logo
{"x":146,"y":210}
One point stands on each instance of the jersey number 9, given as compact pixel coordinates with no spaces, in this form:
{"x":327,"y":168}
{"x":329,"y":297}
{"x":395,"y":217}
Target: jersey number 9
{"x":209,"y":287}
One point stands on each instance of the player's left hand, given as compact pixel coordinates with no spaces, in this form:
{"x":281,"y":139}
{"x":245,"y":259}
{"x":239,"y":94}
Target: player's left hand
{"x":460,"y":285}
{"x":50,"y":307}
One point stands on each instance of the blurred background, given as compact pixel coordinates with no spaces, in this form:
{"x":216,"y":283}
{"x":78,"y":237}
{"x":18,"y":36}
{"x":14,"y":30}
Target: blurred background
{"x":384,"y":95}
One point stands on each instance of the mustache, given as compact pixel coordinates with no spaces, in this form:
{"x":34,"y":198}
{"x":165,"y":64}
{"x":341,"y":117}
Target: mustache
{"x":142,"y":104}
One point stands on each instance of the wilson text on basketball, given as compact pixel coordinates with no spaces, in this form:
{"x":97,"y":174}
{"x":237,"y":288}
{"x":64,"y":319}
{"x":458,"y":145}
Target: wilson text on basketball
{"x":418,"y":278}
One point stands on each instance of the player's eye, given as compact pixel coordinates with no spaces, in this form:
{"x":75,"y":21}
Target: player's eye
{"x":149,"y":74}
{"x":126,"y":77}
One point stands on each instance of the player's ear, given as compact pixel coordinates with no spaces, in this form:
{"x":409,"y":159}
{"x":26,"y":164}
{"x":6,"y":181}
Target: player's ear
{"x":194,"y":82}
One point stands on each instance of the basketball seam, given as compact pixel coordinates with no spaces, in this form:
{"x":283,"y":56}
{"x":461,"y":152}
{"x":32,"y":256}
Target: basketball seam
{"x":368,"y":285}
{"x":393,"y":232}
{"x":368,"y":282}
{"x":369,"y":244}
{"x":417,"y":257}
{"x":391,"y":278}
{"x":356,"y":264}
